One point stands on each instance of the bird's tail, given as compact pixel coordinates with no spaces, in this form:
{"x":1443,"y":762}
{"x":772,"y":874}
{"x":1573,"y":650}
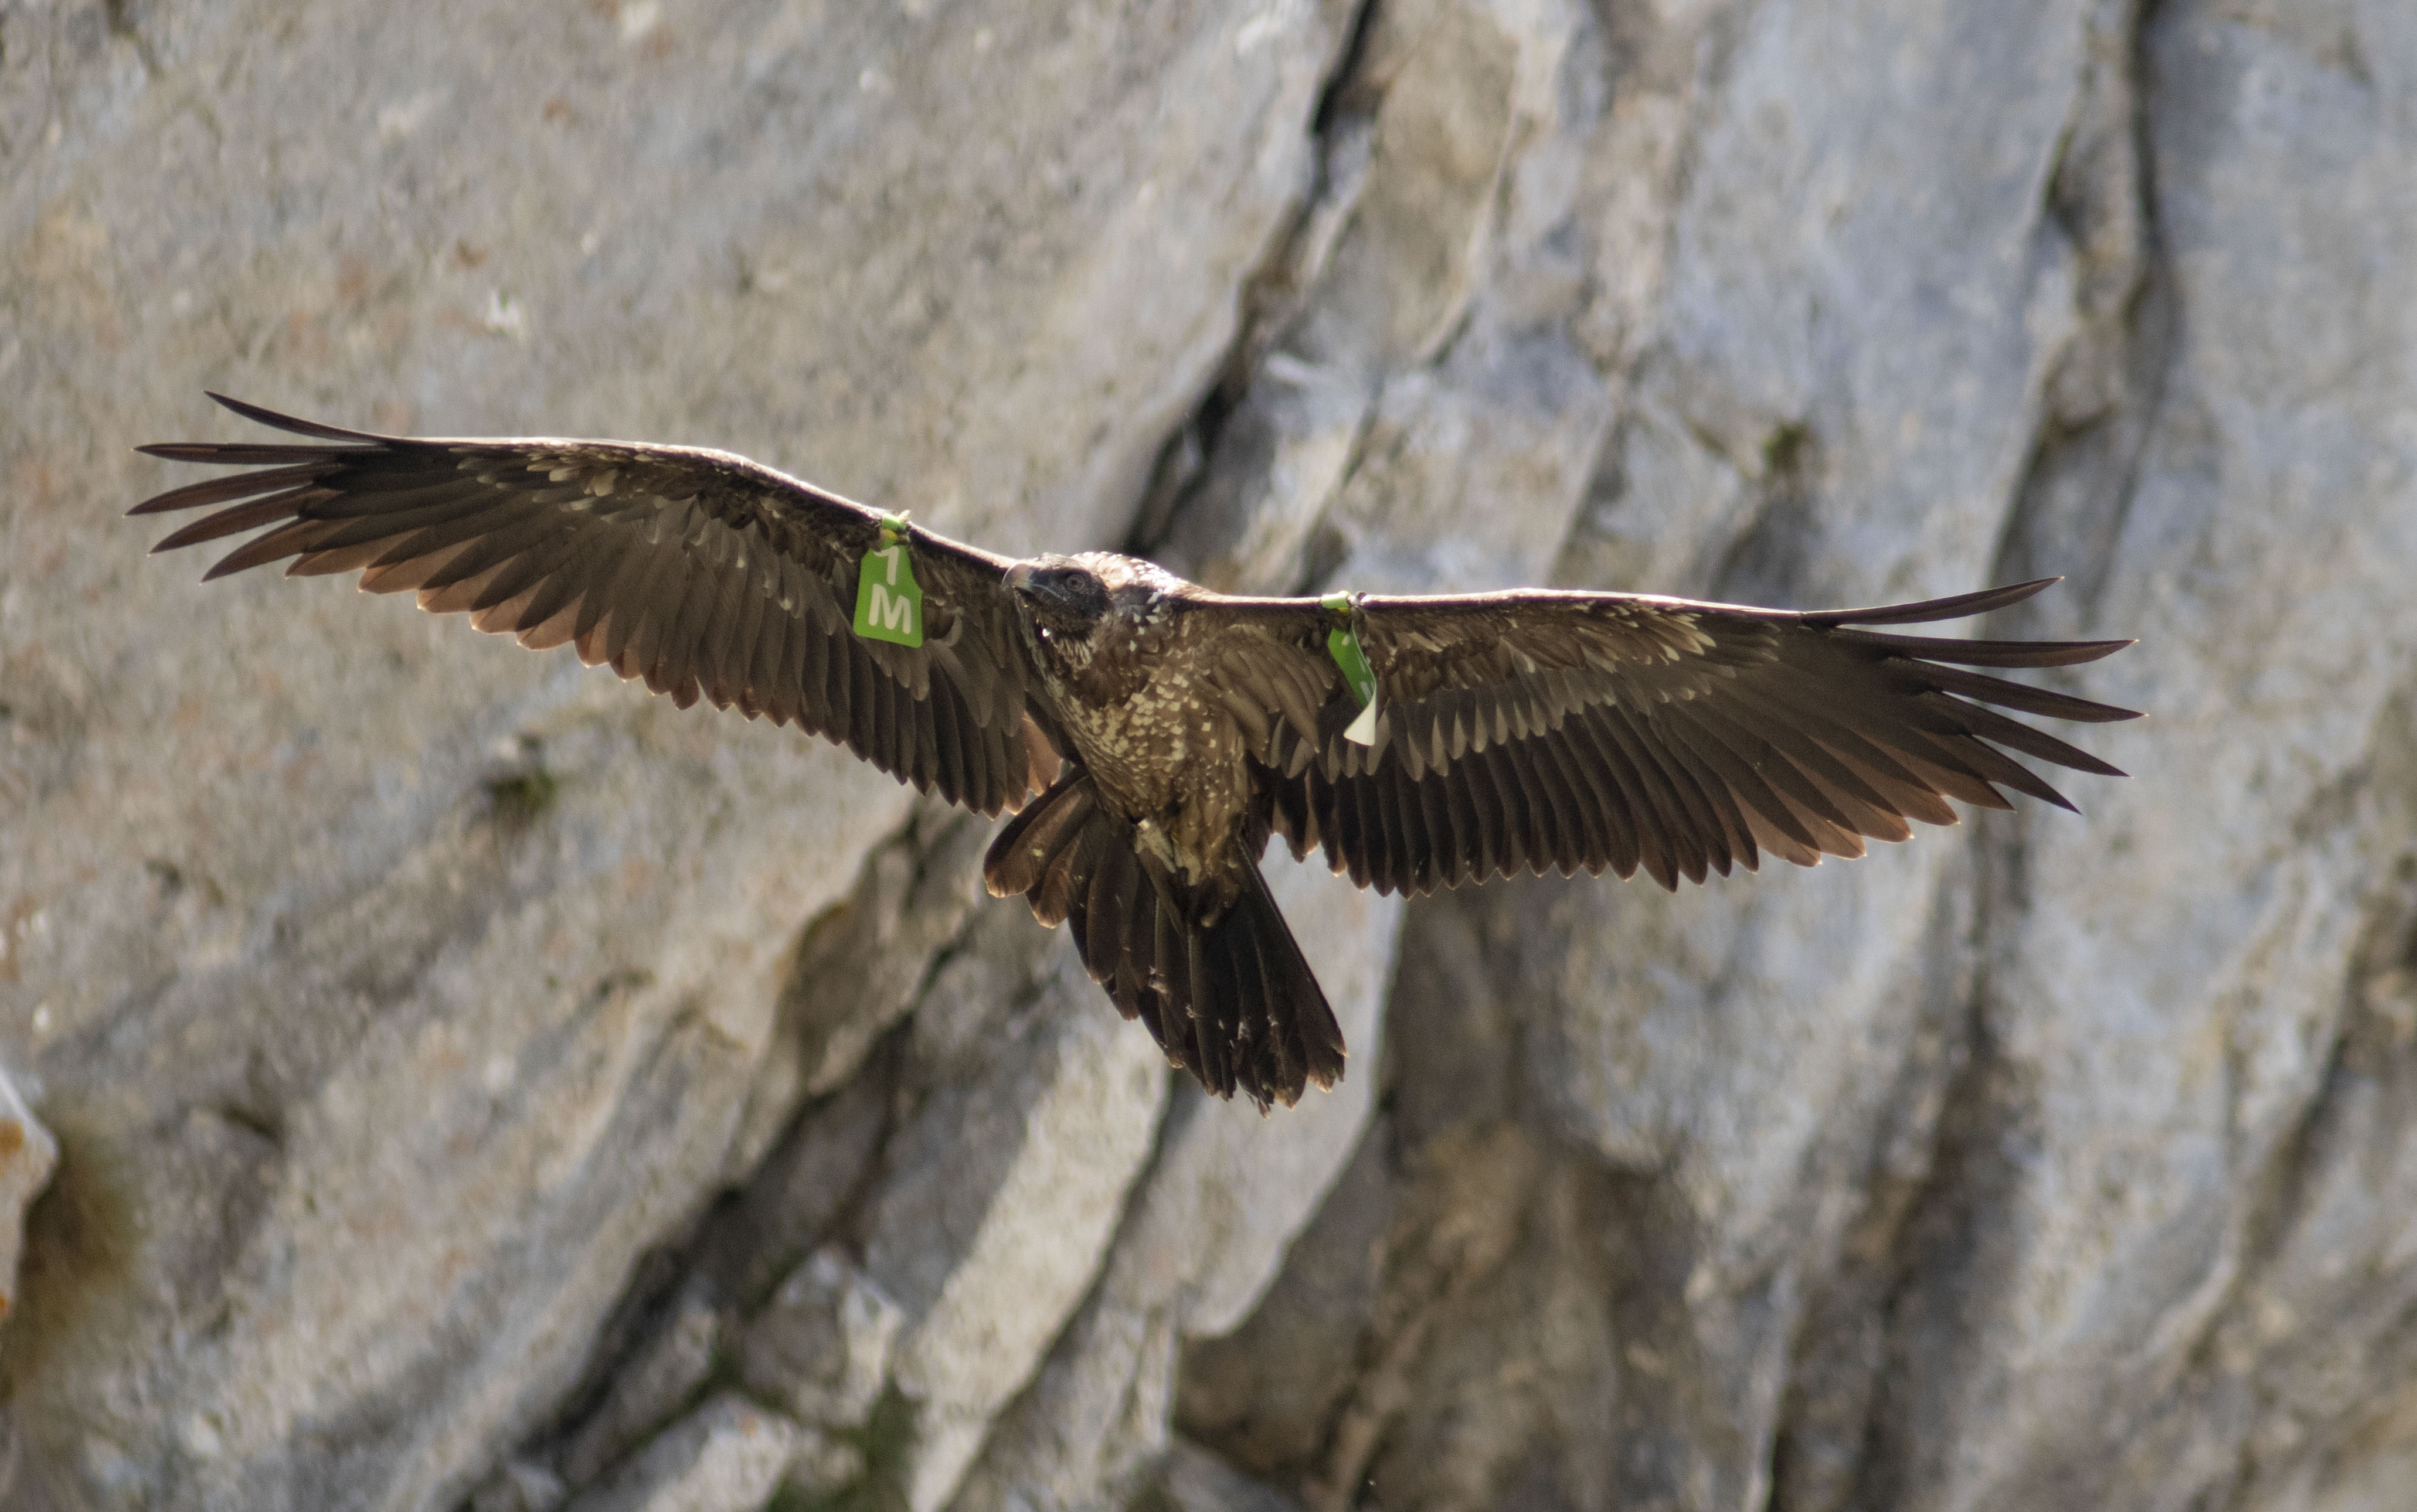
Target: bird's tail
{"x":1221,"y":985}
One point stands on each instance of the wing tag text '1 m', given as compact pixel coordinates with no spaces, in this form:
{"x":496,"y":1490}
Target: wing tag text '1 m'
{"x":888,"y":604}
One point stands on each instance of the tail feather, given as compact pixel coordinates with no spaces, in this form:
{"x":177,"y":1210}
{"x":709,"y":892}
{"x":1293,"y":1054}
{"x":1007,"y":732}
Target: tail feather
{"x":1221,"y":985}
{"x":1023,"y":848}
{"x":1214,"y":1012}
{"x":1292,"y":1040}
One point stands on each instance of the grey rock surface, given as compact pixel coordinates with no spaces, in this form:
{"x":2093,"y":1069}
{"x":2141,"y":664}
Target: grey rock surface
{"x":725,"y":1457}
{"x":668,"y":1370}
{"x":822,"y":1345}
{"x":520,"y":1487}
{"x":1194,"y":1480}
{"x":1201,"y":1239}
{"x":1003,"y":1184}
{"x":28,"y":1155}
{"x":455,"y":1056}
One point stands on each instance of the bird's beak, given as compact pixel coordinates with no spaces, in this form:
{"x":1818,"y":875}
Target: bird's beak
{"x":1019,"y":577}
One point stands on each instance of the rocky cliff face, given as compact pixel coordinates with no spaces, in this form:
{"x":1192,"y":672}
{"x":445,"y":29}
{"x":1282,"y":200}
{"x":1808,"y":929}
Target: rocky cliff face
{"x":476,"y":1084}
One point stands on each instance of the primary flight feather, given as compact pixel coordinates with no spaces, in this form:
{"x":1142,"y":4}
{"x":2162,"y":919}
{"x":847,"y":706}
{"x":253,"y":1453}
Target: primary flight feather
{"x":1151,"y":735}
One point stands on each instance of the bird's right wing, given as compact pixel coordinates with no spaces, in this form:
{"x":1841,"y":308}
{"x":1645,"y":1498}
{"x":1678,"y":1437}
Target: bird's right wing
{"x":702,"y":572}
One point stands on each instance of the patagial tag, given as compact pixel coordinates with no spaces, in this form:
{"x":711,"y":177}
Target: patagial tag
{"x":1342,"y":645}
{"x":889,"y":605}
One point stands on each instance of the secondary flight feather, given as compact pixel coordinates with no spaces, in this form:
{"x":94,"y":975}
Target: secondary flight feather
{"x":1151,"y":736}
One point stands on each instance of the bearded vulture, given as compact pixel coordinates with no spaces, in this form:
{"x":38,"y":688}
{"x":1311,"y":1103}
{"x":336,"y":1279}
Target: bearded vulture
{"x":1149,"y":736}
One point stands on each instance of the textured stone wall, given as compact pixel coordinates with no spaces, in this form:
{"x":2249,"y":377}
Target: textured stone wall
{"x":476,"y":1084}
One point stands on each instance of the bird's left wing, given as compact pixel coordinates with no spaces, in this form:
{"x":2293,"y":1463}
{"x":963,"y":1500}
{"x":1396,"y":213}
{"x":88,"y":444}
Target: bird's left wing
{"x":702,"y":572}
{"x":1534,"y":729}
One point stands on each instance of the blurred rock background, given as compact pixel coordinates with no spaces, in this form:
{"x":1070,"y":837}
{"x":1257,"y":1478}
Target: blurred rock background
{"x":476,"y":1085}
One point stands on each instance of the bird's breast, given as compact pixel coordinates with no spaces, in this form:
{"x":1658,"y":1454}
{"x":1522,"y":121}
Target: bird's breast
{"x":1160,"y":748}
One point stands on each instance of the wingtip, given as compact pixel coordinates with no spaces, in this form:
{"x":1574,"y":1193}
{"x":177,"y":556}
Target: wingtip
{"x":294,"y":425}
{"x":159,"y":503}
{"x":1928,"y":611}
{"x":2014,"y":592}
{"x":249,"y":411}
{"x":2079,"y":652}
{"x":184,"y":451}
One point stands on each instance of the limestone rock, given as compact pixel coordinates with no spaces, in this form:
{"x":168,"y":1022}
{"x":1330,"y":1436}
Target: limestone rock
{"x":28,"y":1155}
{"x":651,"y":1387}
{"x":444,"y":1047}
{"x":1003,"y":1187}
{"x":821,"y":1348}
{"x":728,"y":1456}
{"x":1194,"y":1480}
{"x":1211,"y":1220}
{"x":821,"y":1464}
{"x":1268,"y":1392}
{"x":861,"y":964}
{"x":520,"y":1487}
{"x":798,"y":1193}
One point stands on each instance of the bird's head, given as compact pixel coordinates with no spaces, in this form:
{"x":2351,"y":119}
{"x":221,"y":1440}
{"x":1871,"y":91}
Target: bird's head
{"x":1060,"y":597}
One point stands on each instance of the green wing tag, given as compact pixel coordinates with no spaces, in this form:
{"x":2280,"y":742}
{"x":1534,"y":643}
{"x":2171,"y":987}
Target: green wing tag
{"x":889,"y":605}
{"x":1342,"y":645}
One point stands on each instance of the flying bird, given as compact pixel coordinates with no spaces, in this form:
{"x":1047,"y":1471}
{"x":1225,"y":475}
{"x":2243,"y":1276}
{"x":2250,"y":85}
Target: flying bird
{"x":1151,"y":736}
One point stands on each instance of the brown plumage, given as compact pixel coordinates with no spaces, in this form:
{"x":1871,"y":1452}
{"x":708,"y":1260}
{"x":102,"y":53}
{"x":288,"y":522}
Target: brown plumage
{"x":1170,"y":731}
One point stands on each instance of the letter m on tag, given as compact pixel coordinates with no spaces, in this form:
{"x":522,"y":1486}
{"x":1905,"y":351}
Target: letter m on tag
{"x":891,"y":616}
{"x":888,"y":603}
